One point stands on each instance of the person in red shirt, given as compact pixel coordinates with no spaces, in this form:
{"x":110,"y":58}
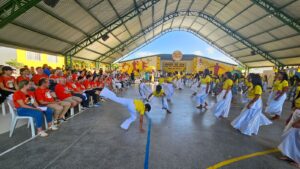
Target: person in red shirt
{"x":76,"y":91}
{"x":64,"y":94}
{"x":40,"y":74}
{"x":8,"y":83}
{"x":24,"y":75}
{"x":46,"y":97}
{"x":88,"y":84}
{"x":54,"y":77}
{"x":24,"y":102}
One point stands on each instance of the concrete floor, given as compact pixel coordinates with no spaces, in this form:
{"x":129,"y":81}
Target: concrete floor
{"x":185,"y":139}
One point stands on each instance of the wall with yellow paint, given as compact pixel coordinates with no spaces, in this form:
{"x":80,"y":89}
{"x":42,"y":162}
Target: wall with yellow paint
{"x":21,"y":57}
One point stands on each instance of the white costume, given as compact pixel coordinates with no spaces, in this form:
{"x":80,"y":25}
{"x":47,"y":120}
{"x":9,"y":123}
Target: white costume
{"x":290,"y":145}
{"x":275,"y":106}
{"x":249,"y":121}
{"x":128,"y":103}
{"x":223,"y":105}
{"x":144,"y":90}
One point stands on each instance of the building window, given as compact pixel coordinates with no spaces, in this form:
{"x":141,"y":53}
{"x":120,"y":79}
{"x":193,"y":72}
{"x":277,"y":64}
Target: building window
{"x":33,"y":56}
{"x":52,"y":58}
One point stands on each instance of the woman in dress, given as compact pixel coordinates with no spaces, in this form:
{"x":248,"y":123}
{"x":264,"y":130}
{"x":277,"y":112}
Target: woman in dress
{"x":251,"y":117}
{"x":224,"y":98}
{"x":275,"y":106}
{"x":290,"y":145}
{"x":204,"y":90}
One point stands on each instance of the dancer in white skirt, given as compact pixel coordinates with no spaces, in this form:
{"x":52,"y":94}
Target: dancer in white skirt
{"x":224,"y":98}
{"x":144,"y":90}
{"x":169,"y":88}
{"x":134,"y":106}
{"x":290,"y":145}
{"x":204,"y":90}
{"x":274,"y":89}
{"x":194,"y":86}
{"x":159,"y":93}
{"x":265,"y":83}
{"x":251,"y":117}
{"x":249,"y":87}
{"x":275,"y":106}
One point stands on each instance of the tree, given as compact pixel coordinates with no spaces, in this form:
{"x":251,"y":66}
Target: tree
{"x":15,"y":63}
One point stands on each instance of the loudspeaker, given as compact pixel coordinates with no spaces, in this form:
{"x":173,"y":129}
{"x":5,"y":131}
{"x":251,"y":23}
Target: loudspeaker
{"x":51,"y":3}
{"x":105,"y":37}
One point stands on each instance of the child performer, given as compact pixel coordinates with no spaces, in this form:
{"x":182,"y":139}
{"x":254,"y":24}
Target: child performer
{"x":134,"y":106}
{"x":251,"y":117}
{"x":276,"y":104}
{"x":159,"y":92}
{"x":203,"y":92}
{"x":224,"y":98}
{"x":290,"y":145}
{"x":144,"y":90}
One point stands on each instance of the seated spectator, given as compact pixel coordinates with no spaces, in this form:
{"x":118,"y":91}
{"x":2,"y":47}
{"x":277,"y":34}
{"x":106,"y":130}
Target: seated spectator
{"x":56,"y":76}
{"x":46,"y":70}
{"x":8,"y":83}
{"x":89,"y":90}
{"x":76,"y":91}
{"x":64,"y":94}
{"x":47,"y":98}
{"x":26,"y":105}
{"x":37,"y":77}
{"x":24,"y":75}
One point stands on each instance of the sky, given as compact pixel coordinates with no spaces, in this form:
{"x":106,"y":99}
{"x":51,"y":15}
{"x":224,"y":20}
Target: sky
{"x":186,"y":42}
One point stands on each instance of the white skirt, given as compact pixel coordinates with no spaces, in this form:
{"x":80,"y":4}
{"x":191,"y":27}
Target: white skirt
{"x":275,"y":106}
{"x":271,"y":95}
{"x":249,"y":121}
{"x":245,"y":98}
{"x":265,"y":86}
{"x":202,"y":95}
{"x":195,"y":88}
{"x":290,"y":145}
{"x":223,"y":105}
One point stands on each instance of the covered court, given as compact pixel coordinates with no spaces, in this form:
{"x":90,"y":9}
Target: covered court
{"x":254,"y":33}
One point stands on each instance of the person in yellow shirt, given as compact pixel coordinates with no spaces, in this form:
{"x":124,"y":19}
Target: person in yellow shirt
{"x":248,"y":89}
{"x":204,"y":86}
{"x":134,"y":106}
{"x":274,"y":88}
{"x":159,"y":93}
{"x":275,"y":106}
{"x":290,"y":145}
{"x":251,"y":117}
{"x":224,"y":98}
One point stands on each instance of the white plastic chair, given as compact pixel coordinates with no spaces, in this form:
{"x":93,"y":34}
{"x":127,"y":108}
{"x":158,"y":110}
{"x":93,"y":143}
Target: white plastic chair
{"x":15,"y":118}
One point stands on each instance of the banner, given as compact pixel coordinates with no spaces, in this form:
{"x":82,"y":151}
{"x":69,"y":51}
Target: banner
{"x":174,"y":66}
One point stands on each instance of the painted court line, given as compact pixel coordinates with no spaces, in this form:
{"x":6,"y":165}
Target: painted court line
{"x":146,"y":161}
{"x":236,"y":159}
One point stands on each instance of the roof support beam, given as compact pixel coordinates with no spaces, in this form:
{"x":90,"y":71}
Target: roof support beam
{"x":278,"y":13}
{"x":136,"y":7}
{"x":221,"y":26}
{"x":14,"y":8}
{"x":93,"y":16}
{"x":114,"y":25}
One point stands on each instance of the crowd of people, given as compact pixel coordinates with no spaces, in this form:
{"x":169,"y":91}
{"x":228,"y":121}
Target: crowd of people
{"x":250,"y":87}
{"x":53,"y":92}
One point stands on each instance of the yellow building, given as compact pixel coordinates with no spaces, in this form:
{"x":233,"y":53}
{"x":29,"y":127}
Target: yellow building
{"x":39,"y":59}
{"x":165,"y":62}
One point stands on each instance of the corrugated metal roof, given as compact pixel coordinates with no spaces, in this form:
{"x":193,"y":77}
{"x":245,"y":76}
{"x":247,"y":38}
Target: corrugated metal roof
{"x":61,"y":29}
